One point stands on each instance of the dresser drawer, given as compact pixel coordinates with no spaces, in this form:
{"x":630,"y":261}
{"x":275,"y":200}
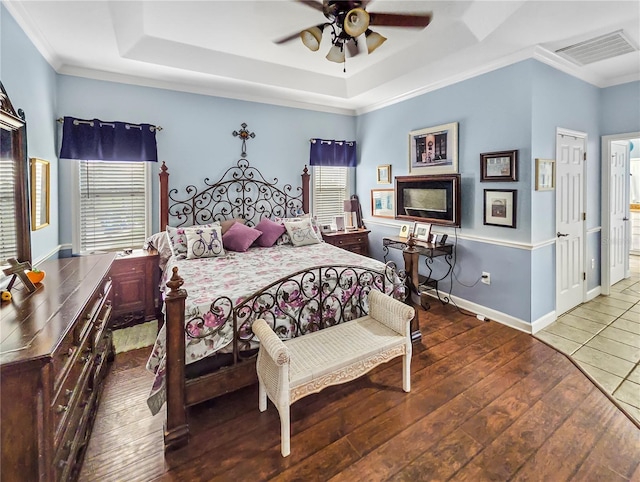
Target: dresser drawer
{"x":351,"y":241}
{"x":72,"y":387}
{"x":123,"y":266}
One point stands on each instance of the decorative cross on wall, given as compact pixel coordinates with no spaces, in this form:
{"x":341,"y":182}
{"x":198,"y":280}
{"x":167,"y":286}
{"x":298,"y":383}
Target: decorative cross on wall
{"x":18,"y":270}
{"x":244,"y":134}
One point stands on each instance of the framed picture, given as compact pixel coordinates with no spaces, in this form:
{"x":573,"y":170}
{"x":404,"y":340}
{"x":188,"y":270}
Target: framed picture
{"x":382,"y":203}
{"x":545,"y":174}
{"x":499,"y":166}
{"x":434,"y":150}
{"x":500,"y":207}
{"x":339,"y":223}
{"x":422,"y":231}
{"x":405,"y":230}
{"x":384,"y":174}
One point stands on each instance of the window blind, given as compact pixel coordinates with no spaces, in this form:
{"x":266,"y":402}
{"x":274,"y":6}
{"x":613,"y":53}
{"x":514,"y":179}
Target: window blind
{"x":113,"y":205}
{"x":8,"y":225}
{"x":330,"y":189}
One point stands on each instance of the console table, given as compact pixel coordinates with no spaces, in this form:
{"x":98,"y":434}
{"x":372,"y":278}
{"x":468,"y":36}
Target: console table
{"x":411,"y":255}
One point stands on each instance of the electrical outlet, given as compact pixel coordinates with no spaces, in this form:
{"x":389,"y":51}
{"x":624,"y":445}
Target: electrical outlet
{"x":593,"y":263}
{"x":486,"y":278}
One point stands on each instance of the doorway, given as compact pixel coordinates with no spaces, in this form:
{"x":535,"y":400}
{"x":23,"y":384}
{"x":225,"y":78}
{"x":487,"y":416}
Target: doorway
{"x":570,"y":219}
{"x":615,"y":207}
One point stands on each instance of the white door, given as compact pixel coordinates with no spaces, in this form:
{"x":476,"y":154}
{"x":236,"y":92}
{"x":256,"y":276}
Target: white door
{"x":618,"y":207}
{"x":570,"y":155}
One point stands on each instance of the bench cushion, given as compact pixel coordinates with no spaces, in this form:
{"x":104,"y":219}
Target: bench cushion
{"x":340,"y":353}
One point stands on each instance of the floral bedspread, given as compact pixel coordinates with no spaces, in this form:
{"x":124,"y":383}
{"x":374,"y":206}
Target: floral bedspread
{"x":235,"y":276}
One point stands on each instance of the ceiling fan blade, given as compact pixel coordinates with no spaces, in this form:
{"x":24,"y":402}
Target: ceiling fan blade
{"x":286,"y":39}
{"x":315,"y":4}
{"x":399,"y":19}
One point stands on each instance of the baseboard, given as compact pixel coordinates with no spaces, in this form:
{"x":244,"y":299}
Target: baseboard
{"x":594,"y":293}
{"x":542,"y":322}
{"x":489,"y":314}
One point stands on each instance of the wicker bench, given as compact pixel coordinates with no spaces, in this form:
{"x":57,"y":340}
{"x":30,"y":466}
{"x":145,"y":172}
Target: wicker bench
{"x":291,"y":370}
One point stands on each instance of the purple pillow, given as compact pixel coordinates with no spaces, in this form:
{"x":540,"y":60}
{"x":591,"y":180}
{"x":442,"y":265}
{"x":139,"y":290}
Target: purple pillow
{"x":271,"y":231}
{"x":239,"y":237}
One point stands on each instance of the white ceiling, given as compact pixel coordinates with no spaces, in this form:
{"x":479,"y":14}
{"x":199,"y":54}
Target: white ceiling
{"x":226,"y":48}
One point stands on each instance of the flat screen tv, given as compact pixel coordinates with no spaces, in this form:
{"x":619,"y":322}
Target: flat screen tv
{"x":429,"y":199}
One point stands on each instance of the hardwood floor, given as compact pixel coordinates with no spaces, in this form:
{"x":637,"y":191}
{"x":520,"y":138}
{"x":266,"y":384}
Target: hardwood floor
{"x":487,"y":403}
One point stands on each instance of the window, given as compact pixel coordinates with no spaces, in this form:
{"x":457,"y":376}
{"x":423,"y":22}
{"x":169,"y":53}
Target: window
{"x":330,"y":189}
{"x":113,"y":205}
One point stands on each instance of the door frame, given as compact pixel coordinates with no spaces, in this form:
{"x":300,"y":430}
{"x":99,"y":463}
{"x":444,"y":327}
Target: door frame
{"x":585,"y":137}
{"x":605,"y":215}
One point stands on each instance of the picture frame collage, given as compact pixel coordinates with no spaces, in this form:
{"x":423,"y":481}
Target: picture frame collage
{"x":499,"y":205}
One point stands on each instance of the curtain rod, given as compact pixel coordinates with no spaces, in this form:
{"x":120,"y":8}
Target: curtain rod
{"x":61,"y":120}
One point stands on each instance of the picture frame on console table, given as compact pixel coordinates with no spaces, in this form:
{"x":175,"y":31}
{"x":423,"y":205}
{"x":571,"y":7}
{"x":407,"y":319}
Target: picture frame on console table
{"x":405,"y":230}
{"x":500,"y":207}
{"x":434,"y":150}
{"x":422,"y":231}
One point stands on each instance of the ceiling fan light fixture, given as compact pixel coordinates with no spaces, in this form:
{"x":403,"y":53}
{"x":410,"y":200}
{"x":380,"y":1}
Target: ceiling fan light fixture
{"x":311,"y":37}
{"x":336,"y":53}
{"x":374,"y":40}
{"x":356,"y":22}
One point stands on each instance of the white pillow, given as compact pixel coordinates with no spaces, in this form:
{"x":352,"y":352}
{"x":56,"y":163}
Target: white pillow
{"x":178,"y":239}
{"x":204,"y":242}
{"x":301,"y":232}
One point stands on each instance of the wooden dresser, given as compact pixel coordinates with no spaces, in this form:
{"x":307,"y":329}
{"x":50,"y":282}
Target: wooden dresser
{"x":54,"y":349}
{"x":356,"y":240}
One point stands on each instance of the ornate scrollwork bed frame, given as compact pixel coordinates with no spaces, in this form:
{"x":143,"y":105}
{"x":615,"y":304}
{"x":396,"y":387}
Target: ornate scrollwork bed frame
{"x":242,"y":192}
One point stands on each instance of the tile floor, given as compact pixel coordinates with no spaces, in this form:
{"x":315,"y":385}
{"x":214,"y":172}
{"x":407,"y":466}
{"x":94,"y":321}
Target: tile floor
{"x":603,"y":337}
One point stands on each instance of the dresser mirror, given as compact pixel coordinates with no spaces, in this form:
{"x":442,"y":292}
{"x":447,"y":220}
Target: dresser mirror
{"x":15,"y":238}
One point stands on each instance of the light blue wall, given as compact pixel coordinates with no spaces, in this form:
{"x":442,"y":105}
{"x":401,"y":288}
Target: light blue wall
{"x":494,"y":113}
{"x":31,"y":84}
{"x":620,"y":106}
{"x":196,"y":140}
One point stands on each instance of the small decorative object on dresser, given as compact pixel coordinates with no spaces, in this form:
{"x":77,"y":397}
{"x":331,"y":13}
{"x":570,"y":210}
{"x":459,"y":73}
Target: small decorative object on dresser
{"x":356,"y":241}
{"x":135,"y":278}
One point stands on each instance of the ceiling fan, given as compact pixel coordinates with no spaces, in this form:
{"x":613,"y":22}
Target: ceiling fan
{"x":348,"y":20}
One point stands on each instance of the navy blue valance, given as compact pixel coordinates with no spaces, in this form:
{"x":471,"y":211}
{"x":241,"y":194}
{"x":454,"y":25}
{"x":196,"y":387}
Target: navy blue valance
{"x":96,"y":140}
{"x":327,"y":152}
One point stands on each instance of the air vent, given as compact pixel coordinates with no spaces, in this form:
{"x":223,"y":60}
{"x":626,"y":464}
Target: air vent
{"x":599,"y":48}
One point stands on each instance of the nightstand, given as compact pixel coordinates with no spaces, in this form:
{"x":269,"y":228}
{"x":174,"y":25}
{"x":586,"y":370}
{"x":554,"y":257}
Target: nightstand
{"x":356,"y":241}
{"x":135,"y":279}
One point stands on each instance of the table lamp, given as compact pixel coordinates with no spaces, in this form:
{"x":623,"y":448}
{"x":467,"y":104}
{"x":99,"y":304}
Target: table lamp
{"x":351,"y":206}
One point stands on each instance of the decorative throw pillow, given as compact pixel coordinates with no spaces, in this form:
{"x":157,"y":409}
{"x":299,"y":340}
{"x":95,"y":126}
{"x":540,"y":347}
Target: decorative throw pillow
{"x":230,"y":222}
{"x":270,"y":230}
{"x":178,"y":239}
{"x":239,"y":237}
{"x":204,"y":242}
{"x":285,"y":239}
{"x":302,"y":232}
